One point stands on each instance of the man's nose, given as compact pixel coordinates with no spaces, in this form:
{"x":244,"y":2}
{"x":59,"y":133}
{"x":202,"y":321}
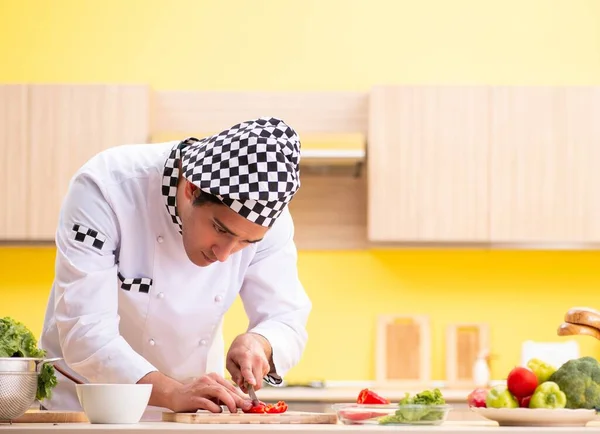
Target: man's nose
{"x":223,"y":250}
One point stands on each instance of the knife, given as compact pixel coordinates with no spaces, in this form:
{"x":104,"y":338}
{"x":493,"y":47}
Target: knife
{"x":252,"y":394}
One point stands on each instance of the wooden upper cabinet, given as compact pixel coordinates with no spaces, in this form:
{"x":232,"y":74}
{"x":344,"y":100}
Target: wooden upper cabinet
{"x":14,"y":153}
{"x":545,"y":165}
{"x":428,"y":164}
{"x":68,"y":124}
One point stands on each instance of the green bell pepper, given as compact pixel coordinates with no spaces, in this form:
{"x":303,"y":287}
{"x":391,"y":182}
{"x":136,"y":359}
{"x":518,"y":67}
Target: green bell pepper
{"x":548,"y":395}
{"x":500,"y":397}
{"x":542,"y":370}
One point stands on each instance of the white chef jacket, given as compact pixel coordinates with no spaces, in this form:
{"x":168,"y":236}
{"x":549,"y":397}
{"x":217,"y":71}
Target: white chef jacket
{"x":114,"y":230}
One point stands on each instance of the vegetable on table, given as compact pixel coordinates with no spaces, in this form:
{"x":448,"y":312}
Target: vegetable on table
{"x":477,"y":397}
{"x":261,"y":407}
{"x":367,"y":396}
{"x":420,"y":407}
{"x":542,"y":370}
{"x":521,"y":382}
{"x":16,"y":340}
{"x":427,"y":397}
{"x":579,"y":379}
{"x":548,"y":395}
{"x":524,"y":402}
{"x":500,"y":397}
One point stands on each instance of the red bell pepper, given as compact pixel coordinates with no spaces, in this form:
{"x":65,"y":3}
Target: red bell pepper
{"x":258,"y":408}
{"x":261,"y":407}
{"x":367,"y":396}
{"x":280,"y":407}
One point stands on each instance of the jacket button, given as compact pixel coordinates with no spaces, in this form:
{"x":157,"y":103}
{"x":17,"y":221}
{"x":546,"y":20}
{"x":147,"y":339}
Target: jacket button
{"x":160,"y":295}
{"x":218,"y":298}
{"x":203,"y":342}
{"x":159,"y":239}
{"x":151,"y":342}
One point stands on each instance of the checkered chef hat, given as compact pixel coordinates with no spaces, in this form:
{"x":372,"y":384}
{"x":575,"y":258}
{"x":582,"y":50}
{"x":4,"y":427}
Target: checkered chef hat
{"x":252,"y":167}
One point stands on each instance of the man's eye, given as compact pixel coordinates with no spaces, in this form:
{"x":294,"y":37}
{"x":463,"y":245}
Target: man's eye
{"x":219,"y":229}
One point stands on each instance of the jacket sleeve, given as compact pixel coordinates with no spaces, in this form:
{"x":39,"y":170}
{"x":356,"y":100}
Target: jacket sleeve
{"x":274,"y":298}
{"x":86,"y":285}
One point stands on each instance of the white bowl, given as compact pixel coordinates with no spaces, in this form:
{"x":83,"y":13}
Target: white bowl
{"x":114,"y":403}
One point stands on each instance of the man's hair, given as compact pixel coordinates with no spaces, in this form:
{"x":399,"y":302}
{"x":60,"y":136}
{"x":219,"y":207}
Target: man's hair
{"x":204,"y":198}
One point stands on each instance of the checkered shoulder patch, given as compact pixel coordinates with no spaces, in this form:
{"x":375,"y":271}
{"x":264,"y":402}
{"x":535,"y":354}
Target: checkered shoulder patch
{"x":136,"y":284}
{"x":88,"y":236}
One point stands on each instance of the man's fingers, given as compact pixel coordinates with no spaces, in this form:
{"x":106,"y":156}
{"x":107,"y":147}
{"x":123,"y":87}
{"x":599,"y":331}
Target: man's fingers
{"x":235,"y":372}
{"x":248,"y":375}
{"x":220,"y":393}
{"x":206,"y":404}
{"x":226,"y":384}
{"x":258,"y":375}
{"x":260,"y":370}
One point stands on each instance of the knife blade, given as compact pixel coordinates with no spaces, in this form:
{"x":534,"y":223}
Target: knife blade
{"x":252,"y":394}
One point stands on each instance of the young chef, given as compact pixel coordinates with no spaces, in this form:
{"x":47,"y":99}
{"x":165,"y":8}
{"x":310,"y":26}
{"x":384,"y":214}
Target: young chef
{"x":154,"y":243}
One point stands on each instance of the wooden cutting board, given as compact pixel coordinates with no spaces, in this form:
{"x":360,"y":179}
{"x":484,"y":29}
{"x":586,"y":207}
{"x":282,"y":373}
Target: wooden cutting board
{"x":464,"y":341}
{"x":403,"y":350}
{"x":47,"y":416}
{"x":289,"y":417}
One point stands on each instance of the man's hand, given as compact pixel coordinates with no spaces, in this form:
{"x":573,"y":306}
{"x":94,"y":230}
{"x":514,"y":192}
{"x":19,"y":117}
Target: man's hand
{"x":208,"y":392}
{"x":249,"y":360}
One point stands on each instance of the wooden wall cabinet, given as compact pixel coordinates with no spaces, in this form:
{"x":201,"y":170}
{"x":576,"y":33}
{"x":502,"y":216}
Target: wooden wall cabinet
{"x":545,"y":165}
{"x":46,"y":133}
{"x":514,"y":165}
{"x":68,"y":125}
{"x":428,"y":164}
{"x":14,"y":157}
{"x":445,"y":164}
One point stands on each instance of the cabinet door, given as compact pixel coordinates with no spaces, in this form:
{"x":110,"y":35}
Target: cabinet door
{"x":545,"y":165}
{"x":428,"y":164}
{"x":13,"y":162}
{"x":68,"y":125}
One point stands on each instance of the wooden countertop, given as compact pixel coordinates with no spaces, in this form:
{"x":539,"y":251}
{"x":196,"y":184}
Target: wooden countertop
{"x":473,"y":427}
{"x":339,"y":394}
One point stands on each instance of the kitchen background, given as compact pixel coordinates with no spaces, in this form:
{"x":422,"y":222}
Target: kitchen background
{"x":521,"y":291}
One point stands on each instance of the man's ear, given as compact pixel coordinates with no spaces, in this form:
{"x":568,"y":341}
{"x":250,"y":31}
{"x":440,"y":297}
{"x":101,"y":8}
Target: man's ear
{"x":190,"y":191}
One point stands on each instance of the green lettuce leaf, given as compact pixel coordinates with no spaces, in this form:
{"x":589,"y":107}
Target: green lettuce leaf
{"x":16,"y":340}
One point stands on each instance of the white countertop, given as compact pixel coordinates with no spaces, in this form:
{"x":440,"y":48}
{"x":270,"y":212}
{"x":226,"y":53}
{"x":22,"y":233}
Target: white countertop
{"x":473,"y":427}
{"x":347,"y":394}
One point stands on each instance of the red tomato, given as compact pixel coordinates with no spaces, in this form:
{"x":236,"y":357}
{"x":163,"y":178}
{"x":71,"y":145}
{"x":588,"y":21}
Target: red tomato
{"x":521,"y":382}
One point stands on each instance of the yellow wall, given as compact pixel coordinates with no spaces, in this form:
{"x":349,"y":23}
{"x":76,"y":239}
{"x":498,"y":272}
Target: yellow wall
{"x":332,"y":44}
{"x":300,"y":44}
{"x":523,"y":295}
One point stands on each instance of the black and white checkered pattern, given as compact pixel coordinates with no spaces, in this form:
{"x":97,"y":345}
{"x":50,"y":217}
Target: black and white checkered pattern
{"x":90,"y":237}
{"x":252,"y":167}
{"x":139,"y":284}
{"x":169,"y":184}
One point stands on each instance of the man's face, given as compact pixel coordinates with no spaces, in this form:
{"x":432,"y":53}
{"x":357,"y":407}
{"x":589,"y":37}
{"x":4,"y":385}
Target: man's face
{"x":212,"y":232}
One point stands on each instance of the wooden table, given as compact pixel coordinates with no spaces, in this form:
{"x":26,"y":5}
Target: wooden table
{"x":471,"y":427}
